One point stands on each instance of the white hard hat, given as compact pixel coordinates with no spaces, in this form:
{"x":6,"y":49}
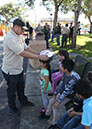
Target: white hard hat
{"x":46,"y":52}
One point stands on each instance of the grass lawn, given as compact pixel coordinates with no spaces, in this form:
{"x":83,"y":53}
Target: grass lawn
{"x":83,"y":45}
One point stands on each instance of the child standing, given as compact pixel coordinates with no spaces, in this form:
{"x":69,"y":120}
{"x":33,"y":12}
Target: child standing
{"x":84,"y":90}
{"x":45,"y":81}
{"x":57,"y":76}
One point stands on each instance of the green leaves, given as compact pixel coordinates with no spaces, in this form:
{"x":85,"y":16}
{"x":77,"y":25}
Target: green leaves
{"x":10,"y":10}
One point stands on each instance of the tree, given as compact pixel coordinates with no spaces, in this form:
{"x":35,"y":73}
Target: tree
{"x":10,"y":10}
{"x":30,"y":3}
{"x":62,"y":5}
{"x":77,"y":11}
{"x":65,"y":6}
{"x":87,"y":10}
{"x":59,"y":5}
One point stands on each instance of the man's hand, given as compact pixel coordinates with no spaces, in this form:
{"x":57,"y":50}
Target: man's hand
{"x":43,"y":57}
{"x":56,"y":104}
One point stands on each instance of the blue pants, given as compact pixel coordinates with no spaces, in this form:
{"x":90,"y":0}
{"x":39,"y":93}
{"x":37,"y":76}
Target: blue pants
{"x":79,"y":127}
{"x":52,"y":37}
{"x":58,"y":39}
{"x":66,"y":122}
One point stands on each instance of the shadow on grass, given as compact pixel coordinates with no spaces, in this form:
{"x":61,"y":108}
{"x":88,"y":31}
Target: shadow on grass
{"x":85,"y":50}
{"x":87,"y":35}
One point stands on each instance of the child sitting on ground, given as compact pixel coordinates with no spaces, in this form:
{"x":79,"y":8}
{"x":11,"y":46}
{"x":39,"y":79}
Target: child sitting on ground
{"x":57,"y":76}
{"x":84,"y":90}
{"x":64,"y":92}
{"x":45,"y":81}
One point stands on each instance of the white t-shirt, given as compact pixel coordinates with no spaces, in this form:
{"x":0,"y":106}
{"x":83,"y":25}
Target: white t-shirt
{"x":13,"y":45}
{"x":66,"y":30}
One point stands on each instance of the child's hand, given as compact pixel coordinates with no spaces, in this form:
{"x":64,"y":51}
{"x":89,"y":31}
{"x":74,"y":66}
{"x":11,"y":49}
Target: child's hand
{"x":44,"y":91}
{"x":53,"y":97}
{"x":56,"y":104}
{"x":72,"y":114}
{"x":69,"y":112}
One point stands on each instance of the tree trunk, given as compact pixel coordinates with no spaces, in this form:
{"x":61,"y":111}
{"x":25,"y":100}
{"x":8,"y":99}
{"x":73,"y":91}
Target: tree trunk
{"x":55,"y":16}
{"x":77,"y":11}
{"x":90,"y":27}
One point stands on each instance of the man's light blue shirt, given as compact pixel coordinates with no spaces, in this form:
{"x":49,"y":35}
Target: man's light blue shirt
{"x":87,"y":112}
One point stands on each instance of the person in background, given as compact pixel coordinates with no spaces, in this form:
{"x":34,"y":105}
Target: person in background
{"x":58,"y":33}
{"x":52,"y":35}
{"x":38,"y":29}
{"x":71,"y":32}
{"x":49,"y":29}
{"x":46,"y":33}
{"x":15,"y":49}
{"x":65,"y":35}
{"x":31,"y":32}
{"x":79,"y":27}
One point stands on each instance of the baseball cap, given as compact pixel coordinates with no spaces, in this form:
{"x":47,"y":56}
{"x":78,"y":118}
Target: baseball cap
{"x":20,"y":23}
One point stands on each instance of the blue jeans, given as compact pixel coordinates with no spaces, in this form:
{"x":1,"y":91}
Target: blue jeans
{"x":79,"y":127}
{"x":58,"y":39}
{"x":52,"y":38}
{"x":66,"y":122}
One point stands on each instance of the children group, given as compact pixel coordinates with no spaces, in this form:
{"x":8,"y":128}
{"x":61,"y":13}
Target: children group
{"x":64,"y":85}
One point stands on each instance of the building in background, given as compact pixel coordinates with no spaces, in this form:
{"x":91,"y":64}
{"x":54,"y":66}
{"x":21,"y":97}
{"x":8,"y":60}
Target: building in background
{"x":62,"y":21}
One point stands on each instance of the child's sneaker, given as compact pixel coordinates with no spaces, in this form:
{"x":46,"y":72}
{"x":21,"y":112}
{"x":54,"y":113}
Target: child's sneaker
{"x":50,"y":94}
{"x":53,"y":127}
{"x":43,"y":115}
{"x":43,"y":110}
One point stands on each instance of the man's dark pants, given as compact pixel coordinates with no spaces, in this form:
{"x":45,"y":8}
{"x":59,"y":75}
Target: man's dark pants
{"x":64,"y":39}
{"x":47,"y":43}
{"x":15,"y":84}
